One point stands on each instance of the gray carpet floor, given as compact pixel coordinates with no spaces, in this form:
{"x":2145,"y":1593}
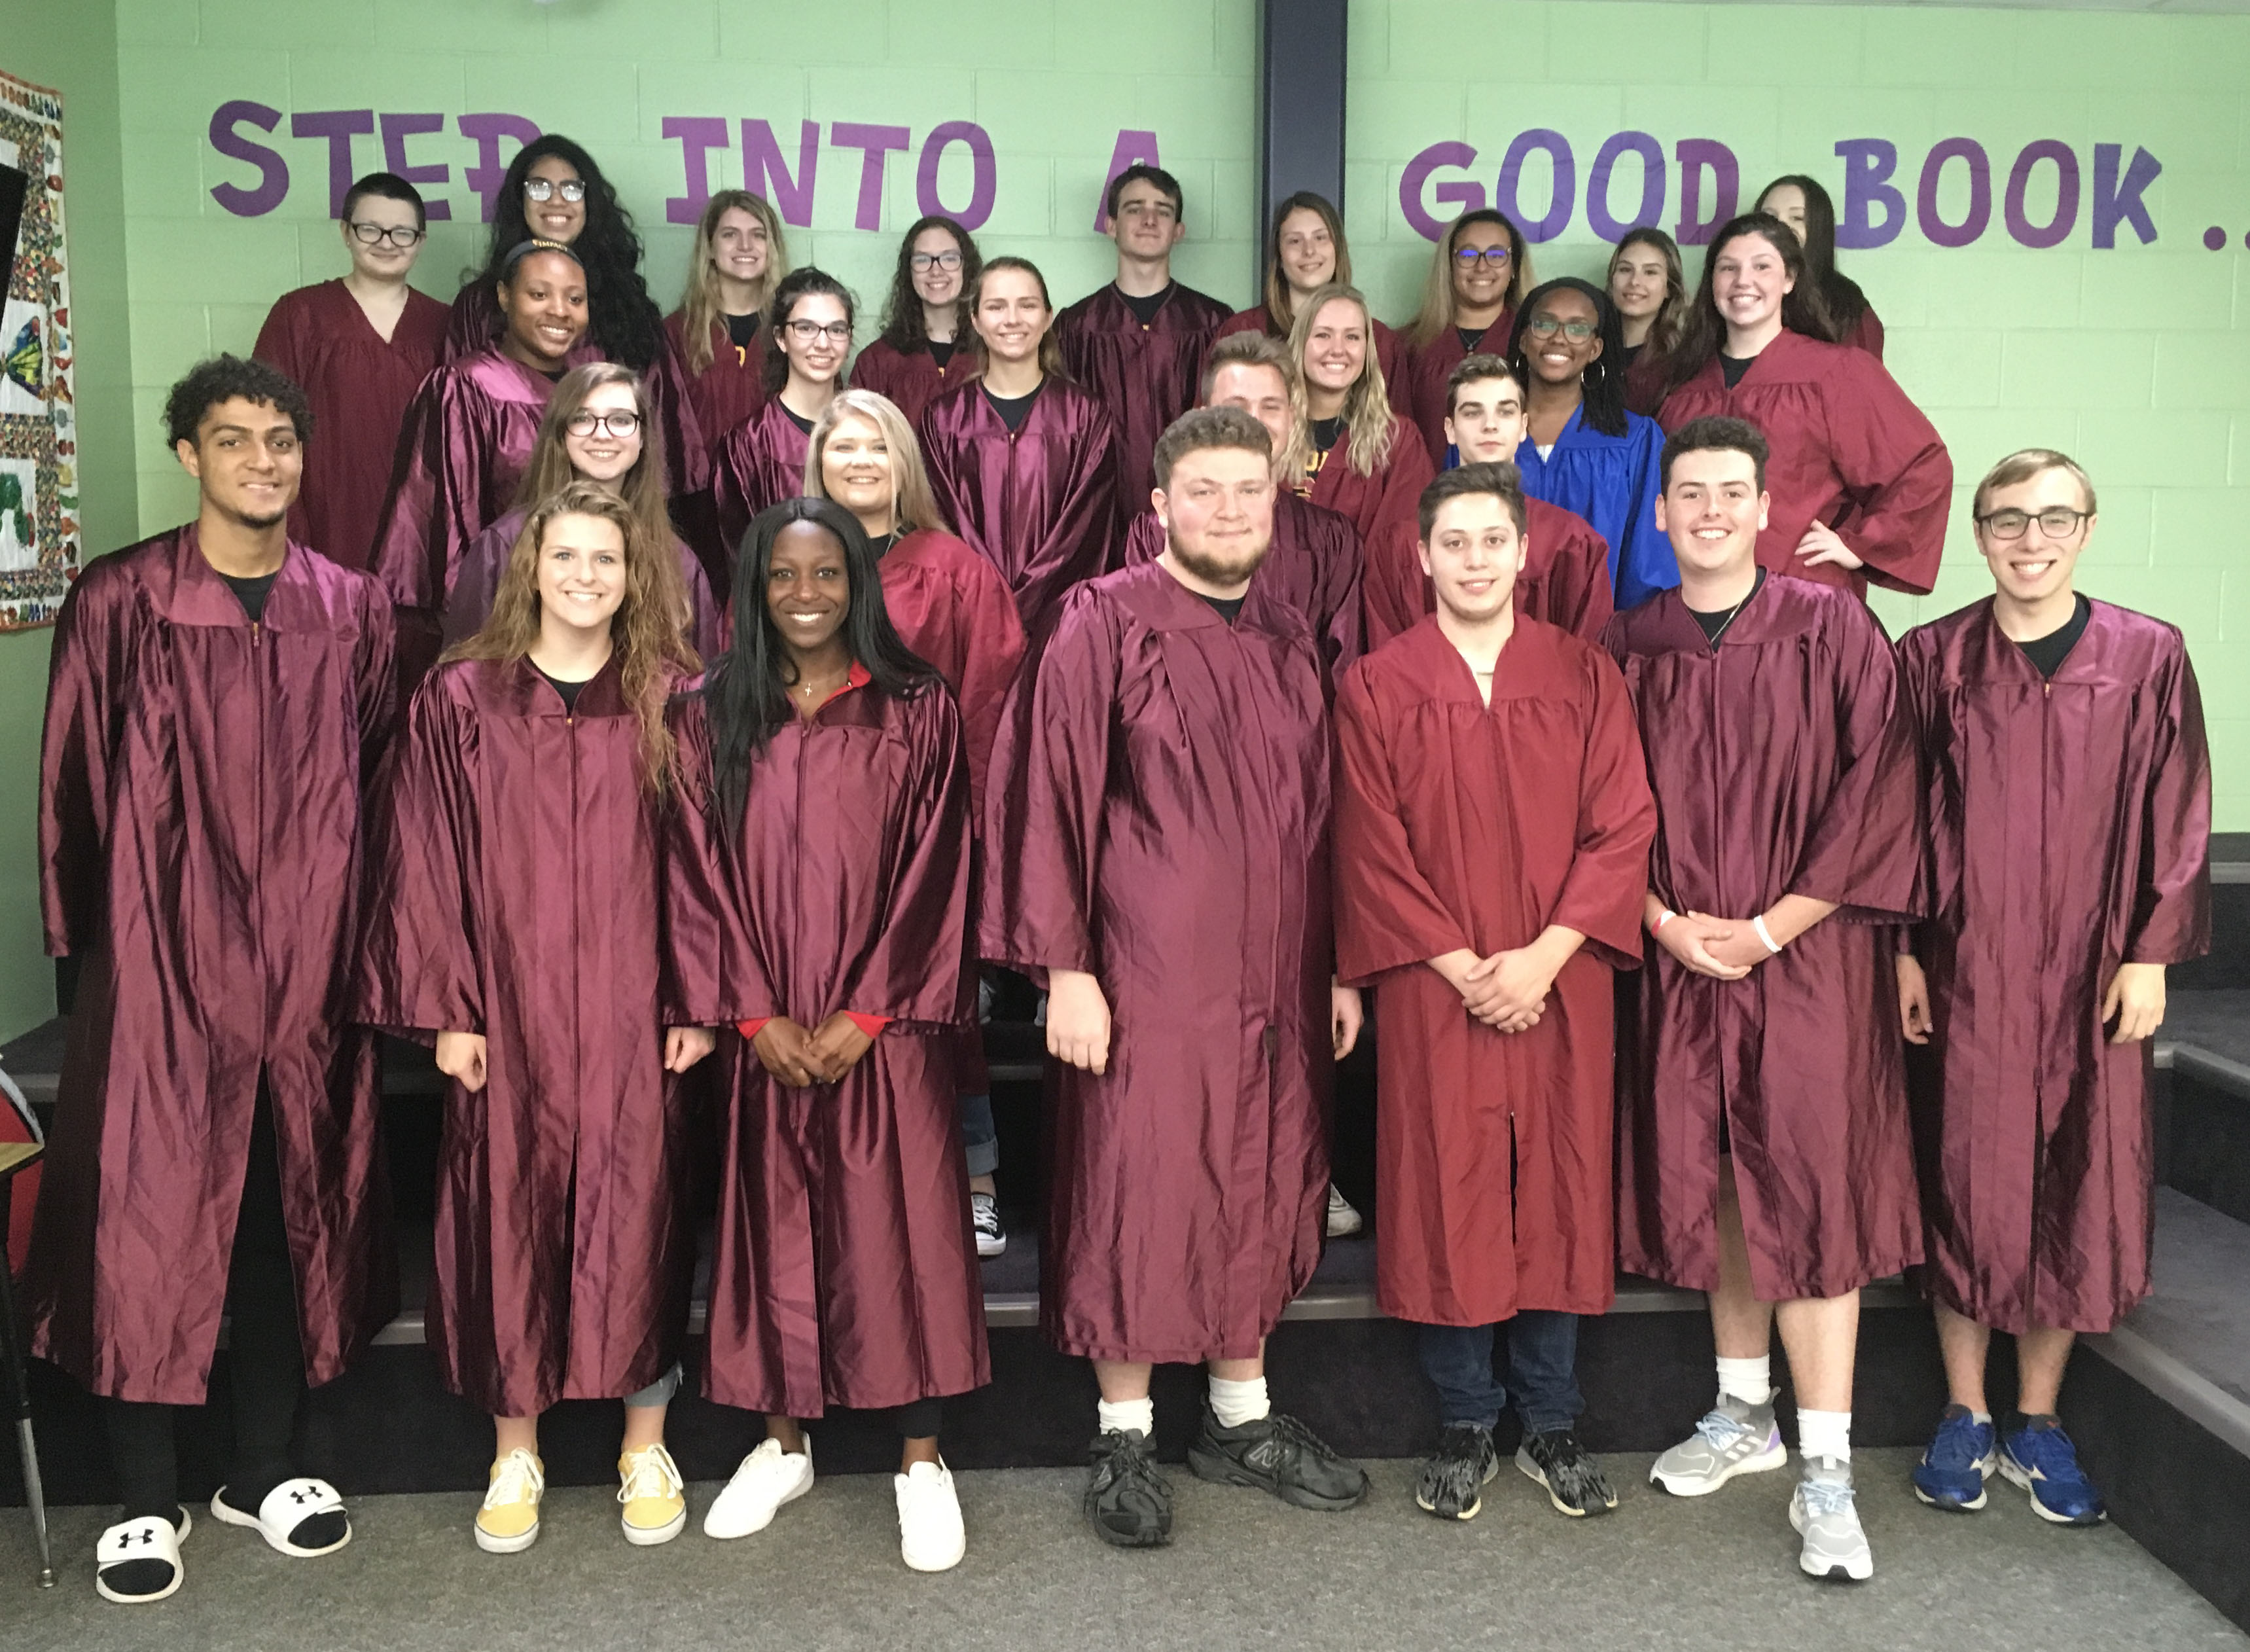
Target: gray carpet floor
{"x":1244,"y":1572}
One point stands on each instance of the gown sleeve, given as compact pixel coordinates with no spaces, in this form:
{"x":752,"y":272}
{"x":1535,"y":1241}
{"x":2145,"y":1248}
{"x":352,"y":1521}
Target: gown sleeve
{"x":1387,"y":916}
{"x":1864,"y":850}
{"x":708,"y":974}
{"x":1602,"y":897}
{"x":1894,"y":464}
{"x":2171,"y":913}
{"x":93,"y":657}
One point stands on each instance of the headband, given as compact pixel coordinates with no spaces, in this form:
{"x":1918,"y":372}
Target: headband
{"x":523,"y":249}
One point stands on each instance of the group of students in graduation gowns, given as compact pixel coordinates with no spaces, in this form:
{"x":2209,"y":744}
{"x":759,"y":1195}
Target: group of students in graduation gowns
{"x":1033,"y":666}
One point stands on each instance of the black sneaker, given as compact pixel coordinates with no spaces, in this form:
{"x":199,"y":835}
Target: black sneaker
{"x":1127,"y":1503}
{"x":1574,"y":1479}
{"x":1280,"y":1454}
{"x":1453,"y":1477}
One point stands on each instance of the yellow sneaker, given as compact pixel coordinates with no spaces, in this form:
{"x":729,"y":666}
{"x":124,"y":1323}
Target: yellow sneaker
{"x":508,"y":1524}
{"x":655,"y":1504}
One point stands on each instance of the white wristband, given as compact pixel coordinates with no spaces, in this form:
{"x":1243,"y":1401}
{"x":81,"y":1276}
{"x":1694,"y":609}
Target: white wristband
{"x":1662,"y":918}
{"x":1764,"y":934}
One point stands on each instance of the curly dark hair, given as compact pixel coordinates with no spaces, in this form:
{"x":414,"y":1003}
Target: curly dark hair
{"x":902,"y":327}
{"x":224,"y":377}
{"x":1601,"y":387}
{"x":623,"y":320}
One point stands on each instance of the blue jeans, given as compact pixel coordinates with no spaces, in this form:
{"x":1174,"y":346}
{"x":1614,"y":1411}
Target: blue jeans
{"x":1542,"y":1360}
{"x":979,"y":1135}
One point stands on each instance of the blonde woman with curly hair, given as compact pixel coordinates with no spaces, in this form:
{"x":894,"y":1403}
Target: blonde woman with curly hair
{"x":513,"y":920}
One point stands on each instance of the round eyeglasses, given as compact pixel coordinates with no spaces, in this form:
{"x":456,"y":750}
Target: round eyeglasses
{"x":400,"y":235}
{"x":1547,"y":327}
{"x":585,"y":422}
{"x":925,"y":261}
{"x":1468,"y":257}
{"x":572,"y":189}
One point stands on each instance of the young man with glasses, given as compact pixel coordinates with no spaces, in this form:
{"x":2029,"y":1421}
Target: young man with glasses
{"x":2068,"y":791}
{"x":1138,"y":344}
{"x":359,"y":346}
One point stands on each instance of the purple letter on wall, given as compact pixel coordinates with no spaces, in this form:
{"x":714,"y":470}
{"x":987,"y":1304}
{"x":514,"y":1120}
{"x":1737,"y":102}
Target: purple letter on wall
{"x":1695,"y":155}
{"x":765,"y":173}
{"x":983,"y":174}
{"x":1133,"y":148}
{"x":1550,"y":222}
{"x":1463,"y":195}
{"x":874,"y":144}
{"x":272,"y":170}
{"x":2117,"y":202}
{"x":339,"y":126}
{"x":487,"y":131}
{"x":397,"y":128}
{"x":1935,"y":230}
{"x":1650,"y":209}
{"x":2056,"y":232}
{"x":696,"y":134}
{"x":1869,"y":164}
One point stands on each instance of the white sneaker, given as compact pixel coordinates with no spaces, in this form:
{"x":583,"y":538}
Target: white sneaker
{"x":767,"y":1478}
{"x":985,"y":1215}
{"x":1342,"y":1219}
{"x":930,"y":1535}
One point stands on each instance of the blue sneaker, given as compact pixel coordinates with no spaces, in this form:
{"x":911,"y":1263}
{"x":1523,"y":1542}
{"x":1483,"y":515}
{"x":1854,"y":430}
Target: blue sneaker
{"x":1951,"y":1474}
{"x":2040,"y":1457}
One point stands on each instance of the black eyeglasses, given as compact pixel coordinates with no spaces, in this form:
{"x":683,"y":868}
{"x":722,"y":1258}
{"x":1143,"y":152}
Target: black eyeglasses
{"x":585,"y":422}
{"x":1547,"y":327}
{"x":2057,"y":522}
{"x":922,"y":261}
{"x":572,"y":189}
{"x":1468,"y":257}
{"x":806,"y":332}
{"x":386,"y":234}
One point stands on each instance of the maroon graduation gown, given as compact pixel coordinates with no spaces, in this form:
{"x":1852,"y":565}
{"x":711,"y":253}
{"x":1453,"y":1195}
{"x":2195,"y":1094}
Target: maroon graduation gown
{"x":1783,"y":764}
{"x":462,"y":453}
{"x":1040,"y":502}
{"x":1419,"y":391}
{"x":912,"y":380}
{"x":201,"y":787}
{"x":1390,"y":347}
{"x":1166,"y":825}
{"x":2069,"y":826}
{"x":1145,"y":376}
{"x":727,"y":392}
{"x":1565,"y":580}
{"x":514,"y":894}
{"x":1848,"y":449}
{"x":359,"y":384}
{"x":1867,"y":333}
{"x":760,"y":464}
{"x":475,"y":324}
{"x":1645,"y":381}
{"x":951,"y":607}
{"x":477,"y":582}
{"x":1493,"y":1150}
{"x":1384,"y":507}
{"x":845,"y":1271}
{"x":1315,"y":567}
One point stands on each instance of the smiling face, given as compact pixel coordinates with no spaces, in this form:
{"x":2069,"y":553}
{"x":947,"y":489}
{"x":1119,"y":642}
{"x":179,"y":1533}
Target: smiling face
{"x":1712,"y":511}
{"x":1259,"y":391}
{"x":855,"y":467}
{"x":1749,"y":280}
{"x":544,"y":304}
{"x":582,"y":571}
{"x":1011,"y":317}
{"x":808,"y":587}
{"x":816,"y":336}
{"x":1548,"y":348}
{"x":1639,"y":280}
{"x":1148,"y":224}
{"x":1786,"y":201}
{"x":385,"y":259}
{"x":1308,"y":253}
{"x":247,"y":459}
{"x":739,"y":247}
{"x":1473,"y":555}
{"x":2034,"y":567}
{"x":1218,"y":512}
{"x":1335,"y":346}
{"x":1488,"y":422}
{"x":553,"y":218}
{"x":1481,"y":283}
{"x":602,"y":452}
{"x":935,"y":283}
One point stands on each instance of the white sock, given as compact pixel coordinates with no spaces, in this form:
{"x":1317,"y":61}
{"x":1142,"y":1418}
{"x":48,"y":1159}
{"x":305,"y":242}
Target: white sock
{"x":1747,"y":1380}
{"x":1983,"y":1419}
{"x":1824,"y":1433}
{"x":1236,"y":1403}
{"x":1127,"y":1415}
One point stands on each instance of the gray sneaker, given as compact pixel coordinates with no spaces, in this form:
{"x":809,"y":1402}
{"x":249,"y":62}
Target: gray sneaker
{"x":1825,"y":1515}
{"x":1733,"y":1438}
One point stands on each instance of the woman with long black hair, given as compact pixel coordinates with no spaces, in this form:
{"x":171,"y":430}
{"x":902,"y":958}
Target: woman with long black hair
{"x":843,"y":1273}
{"x":1859,"y":479}
{"x":1583,"y":449}
{"x":1801,"y":202}
{"x":554,"y":191}
{"x":927,"y":345}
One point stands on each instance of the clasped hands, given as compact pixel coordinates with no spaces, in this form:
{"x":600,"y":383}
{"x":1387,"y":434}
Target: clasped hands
{"x":1507,"y":992}
{"x":801,"y":1057}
